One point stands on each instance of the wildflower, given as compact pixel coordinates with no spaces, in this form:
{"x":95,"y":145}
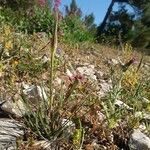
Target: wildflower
{"x":8,"y":45}
{"x":58,"y":51}
{"x":42,"y":2}
{"x":130,"y":79}
{"x":76,"y":76}
{"x":7,"y":30}
{"x":15,"y":62}
{"x":128,"y":64}
{"x":128,"y":51}
{"x":57,"y":4}
{"x":77,"y":135}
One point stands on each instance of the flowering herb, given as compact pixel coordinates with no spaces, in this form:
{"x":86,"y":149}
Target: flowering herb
{"x":76,"y":75}
{"x":58,"y":51}
{"x":57,"y":4}
{"x":75,"y":78}
{"x":42,"y":2}
{"x":53,"y":50}
{"x":129,"y":63}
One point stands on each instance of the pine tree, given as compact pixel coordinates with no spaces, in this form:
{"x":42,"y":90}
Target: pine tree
{"x":141,"y":32}
{"x":89,"y":23}
{"x":73,"y":9}
{"x":135,"y":27}
{"x":109,"y":10}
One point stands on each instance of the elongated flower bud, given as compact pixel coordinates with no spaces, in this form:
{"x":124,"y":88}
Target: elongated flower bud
{"x":42,"y":2}
{"x":57,"y":4}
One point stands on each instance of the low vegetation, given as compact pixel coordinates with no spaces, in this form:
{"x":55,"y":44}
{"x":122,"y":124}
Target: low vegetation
{"x":73,"y":115}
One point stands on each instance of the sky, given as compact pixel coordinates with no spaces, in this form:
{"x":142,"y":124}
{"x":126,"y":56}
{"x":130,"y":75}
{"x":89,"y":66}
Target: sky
{"x":97,"y":7}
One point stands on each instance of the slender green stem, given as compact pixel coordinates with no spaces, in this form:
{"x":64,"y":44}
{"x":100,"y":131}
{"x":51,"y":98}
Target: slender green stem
{"x":53,"y":50}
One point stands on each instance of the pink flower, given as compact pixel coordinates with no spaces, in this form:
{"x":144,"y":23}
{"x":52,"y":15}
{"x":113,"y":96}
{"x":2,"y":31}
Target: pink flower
{"x":133,"y":60}
{"x":75,"y":76}
{"x":42,"y":2}
{"x":57,"y":4}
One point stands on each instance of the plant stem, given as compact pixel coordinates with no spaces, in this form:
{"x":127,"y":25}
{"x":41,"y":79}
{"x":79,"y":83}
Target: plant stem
{"x":53,"y":50}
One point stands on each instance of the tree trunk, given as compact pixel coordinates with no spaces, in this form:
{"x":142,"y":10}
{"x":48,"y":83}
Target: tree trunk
{"x":102,"y":26}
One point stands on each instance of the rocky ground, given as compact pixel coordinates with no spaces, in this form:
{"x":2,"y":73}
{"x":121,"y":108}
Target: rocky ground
{"x":94,"y":63}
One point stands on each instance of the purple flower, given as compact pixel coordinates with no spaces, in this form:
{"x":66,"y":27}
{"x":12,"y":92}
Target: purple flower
{"x":57,"y":4}
{"x":58,"y":51}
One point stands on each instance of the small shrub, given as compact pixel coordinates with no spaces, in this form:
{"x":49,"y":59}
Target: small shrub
{"x":74,"y":30}
{"x":38,"y":20}
{"x":17,"y":4}
{"x":35,"y":19}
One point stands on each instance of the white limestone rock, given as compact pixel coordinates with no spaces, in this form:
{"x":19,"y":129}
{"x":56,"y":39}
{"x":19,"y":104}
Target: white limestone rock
{"x":139,"y":141}
{"x":34,"y":93}
{"x":10,"y":130}
{"x":88,"y":71}
{"x":14,"y":108}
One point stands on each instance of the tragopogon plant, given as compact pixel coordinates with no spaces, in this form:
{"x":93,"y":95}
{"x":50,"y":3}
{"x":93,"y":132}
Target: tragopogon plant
{"x":53,"y":49}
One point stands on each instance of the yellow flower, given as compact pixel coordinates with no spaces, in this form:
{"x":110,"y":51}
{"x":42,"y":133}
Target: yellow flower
{"x":14,"y":63}
{"x":130,"y":79}
{"x":8,"y":45}
{"x":77,"y":137}
{"x":7,"y":30}
{"x":128,"y":51}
